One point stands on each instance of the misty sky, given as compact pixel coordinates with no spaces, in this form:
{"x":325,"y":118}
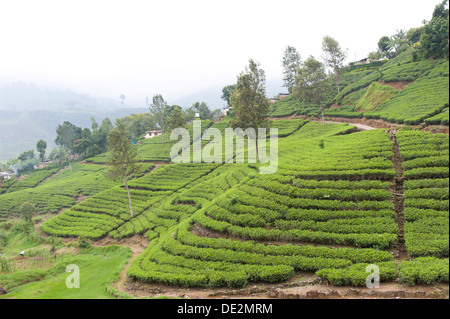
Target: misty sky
{"x":179,"y":47}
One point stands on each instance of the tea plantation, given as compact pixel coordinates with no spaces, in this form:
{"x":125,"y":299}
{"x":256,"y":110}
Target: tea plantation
{"x":419,"y":94}
{"x":329,"y":210}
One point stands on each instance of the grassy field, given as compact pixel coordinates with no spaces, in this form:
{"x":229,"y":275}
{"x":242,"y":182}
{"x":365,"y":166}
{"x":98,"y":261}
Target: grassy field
{"x":98,"y":268}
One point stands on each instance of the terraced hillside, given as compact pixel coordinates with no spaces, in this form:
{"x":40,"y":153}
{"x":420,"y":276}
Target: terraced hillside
{"x":340,"y":201}
{"x":401,"y":91}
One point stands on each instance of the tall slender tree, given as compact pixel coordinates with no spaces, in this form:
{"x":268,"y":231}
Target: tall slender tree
{"x":334,"y":58}
{"x":157,"y":109}
{"x":250,"y":105}
{"x":291,"y":62}
{"x":122,"y":158}
{"x":312,"y":83}
{"x":41,"y":146}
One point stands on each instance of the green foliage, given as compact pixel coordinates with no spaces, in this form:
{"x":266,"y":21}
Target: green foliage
{"x":158,"y":110}
{"x":226,"y":93}
{"x":334,"y":58}
{"x":67,"y":134}
{"x":312,"y":83}
{"x":41,"y":146}
{"x":27,"y":211}
{"x":356,"y":275}
{"x":60,"y":192}
{"x":434,"y":37}
{"x":426,"y":193}
{"x":176,"y":119}
{"x":291,"y":62}
{"x":376,"y":95}
{"x":84,"y":242}
{"x":427,"y":270}
{"x":250,"y":105}
{"x":424,"y":98}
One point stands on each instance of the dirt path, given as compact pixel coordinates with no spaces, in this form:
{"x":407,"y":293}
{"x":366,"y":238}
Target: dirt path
{"x":366,"y":124}
{"x":137,"y":244}
{"x":398,"y":195}
{"x":361,"y":127}
{"x":51,"y":177}
{"x":302,"y":286}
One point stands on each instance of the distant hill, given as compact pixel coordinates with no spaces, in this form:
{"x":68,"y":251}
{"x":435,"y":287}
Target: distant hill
{"x":29,"y":112}
{"x":19,"y":131}
{"x":212,"y":95}
{"x":21,"y":96}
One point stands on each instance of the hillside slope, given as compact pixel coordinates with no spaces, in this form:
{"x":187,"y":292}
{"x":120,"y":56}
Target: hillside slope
{"x":340,"y":200}
{"x":401,"y":91}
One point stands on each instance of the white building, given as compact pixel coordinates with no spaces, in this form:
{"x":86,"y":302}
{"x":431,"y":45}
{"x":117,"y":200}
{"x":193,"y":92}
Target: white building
{"x":226,"y":110}
{"x":5,"y":175}
{"x":152,"y":134}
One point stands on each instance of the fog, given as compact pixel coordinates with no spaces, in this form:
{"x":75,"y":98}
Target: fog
{"x":177,"y":48}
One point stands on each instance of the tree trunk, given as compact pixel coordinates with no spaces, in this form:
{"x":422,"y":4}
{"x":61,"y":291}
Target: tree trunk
{"x":257,"y":150}
{"x":338,"y":83}
{"x":162,"y":136}
{"x":129,"y":196}
{"x":321,"y":111}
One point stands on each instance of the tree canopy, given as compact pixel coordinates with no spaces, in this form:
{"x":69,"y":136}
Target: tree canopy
{"x":291,"y":62}
{"x":312,"y":83}
{"x":334,"y":58}
{"x":122,"y":162}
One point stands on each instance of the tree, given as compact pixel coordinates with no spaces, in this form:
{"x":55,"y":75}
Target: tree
{"x":375,"y":55}
{"x":122,"y":98}
{"x":68,"y":135}
{"x":95,"y":142}
{"x":384,"y":45}
{"x":157,"y":109}
{"x":226,"y":93}
{"x":312,"y":83}
{"x":122,"y":158}
{"x":176,"y":119}
{"x":434,"y":41}
{"x":27,"y":211}
{"x":215,"y":115}
{"x":413,"y":35}
{"x":399,"y":42}
{"x":94,"y":124}
{"x":291,"y":62}
{"x":334,"y":57}
{"x":41,"y":145}
{"x":203,"y":109}
{"x":25,"y":163}
{"x":189,"y":114}
{"x":250,"y":105}
{"x":63,"y":156}
{"x":59,"y":155}
{"x":138,"y":124}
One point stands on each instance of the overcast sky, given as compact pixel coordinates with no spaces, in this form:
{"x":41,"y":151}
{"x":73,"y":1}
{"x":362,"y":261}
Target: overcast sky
{"x":179,"y":47}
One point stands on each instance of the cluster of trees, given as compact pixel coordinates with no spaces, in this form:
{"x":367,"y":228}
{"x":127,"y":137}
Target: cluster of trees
{"x":309,"y":80}
{"x":73,"y":140}
{"x":432,"y":38}
{"x":169,"y":117}
{"x":25,"y":163}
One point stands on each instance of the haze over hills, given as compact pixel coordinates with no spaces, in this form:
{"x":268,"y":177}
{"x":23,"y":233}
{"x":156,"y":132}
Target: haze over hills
{"x":211,"y":95}
{"x":30,"y":112}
